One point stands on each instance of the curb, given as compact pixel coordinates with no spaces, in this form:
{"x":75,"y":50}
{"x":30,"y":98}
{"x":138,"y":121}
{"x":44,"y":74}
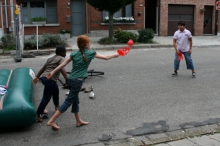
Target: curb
{"x":159,"y":138}
{"x":11,"y":54}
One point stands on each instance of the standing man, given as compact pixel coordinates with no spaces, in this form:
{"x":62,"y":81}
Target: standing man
{"x":182,"y":42}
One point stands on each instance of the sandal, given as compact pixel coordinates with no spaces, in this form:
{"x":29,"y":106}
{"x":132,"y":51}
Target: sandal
{"x":44,"y":116}
{"x":39,"y":120}
{"x":66,"y":86}
{"x":88,"y":90}
{"x":82,"y":89}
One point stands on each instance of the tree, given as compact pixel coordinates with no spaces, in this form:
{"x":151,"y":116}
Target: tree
{"x":111,"y":6}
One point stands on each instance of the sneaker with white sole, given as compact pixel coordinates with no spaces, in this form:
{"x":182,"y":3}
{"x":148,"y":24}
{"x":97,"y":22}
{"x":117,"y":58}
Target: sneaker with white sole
{"x":193,"y":75}
{"x":175,"y":74}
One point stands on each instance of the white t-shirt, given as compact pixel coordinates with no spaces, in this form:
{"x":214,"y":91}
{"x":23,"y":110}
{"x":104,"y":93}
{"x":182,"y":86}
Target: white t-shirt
{"x":182,"y":40}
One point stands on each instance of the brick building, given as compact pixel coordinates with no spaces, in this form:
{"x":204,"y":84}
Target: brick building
{"x":81,"y":18}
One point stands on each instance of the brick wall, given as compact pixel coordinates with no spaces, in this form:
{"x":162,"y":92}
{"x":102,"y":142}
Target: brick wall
{"x":95,"y":18}
{"x":63,"y":9}
{"x":41,"y":29}
{"x":198,"y":18}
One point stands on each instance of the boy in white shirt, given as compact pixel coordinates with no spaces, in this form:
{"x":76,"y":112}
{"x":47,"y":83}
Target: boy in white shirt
{"x":182,"y":42}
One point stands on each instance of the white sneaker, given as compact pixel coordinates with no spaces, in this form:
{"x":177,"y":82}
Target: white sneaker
{"x":67,"y":93}
{"x":92,"y":95}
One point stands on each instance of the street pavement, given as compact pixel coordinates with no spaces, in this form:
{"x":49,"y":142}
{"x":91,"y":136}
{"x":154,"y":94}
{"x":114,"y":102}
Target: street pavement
{"x":166,"y":121}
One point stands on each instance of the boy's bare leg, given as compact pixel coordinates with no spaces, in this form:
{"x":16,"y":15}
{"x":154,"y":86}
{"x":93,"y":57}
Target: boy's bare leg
{"x":79,"y":121}
{"x":51,"y":122}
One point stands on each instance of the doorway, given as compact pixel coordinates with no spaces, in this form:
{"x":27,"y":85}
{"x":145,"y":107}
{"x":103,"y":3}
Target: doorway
{"x":180,"y":12}
{"x":208,"y":20}
{"x":78,"y":17}
{"x":151,"y":15}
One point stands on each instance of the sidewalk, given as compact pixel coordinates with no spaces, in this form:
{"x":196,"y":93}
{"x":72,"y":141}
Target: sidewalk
{"x":160,"y":42}
{"x":195,"y":136}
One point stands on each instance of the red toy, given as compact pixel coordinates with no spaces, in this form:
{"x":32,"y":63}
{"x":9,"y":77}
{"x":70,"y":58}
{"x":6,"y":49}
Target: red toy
{"x":130,"y":43}
{"x":180,"y":56}
{"x":125,"y":50}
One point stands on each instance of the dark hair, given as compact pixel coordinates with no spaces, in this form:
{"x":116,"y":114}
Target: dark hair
{"x":181,"y":22}
{"x":82,"y":42}
{"x":60,"y":50}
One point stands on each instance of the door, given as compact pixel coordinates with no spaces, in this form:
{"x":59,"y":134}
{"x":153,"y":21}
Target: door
{"x":78,"y":17}
{"x":151,"y":15}
{"x":208,"y":20}
{"x":180,"y":12}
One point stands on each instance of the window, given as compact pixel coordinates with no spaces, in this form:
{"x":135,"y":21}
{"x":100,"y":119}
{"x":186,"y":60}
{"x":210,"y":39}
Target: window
{"x":32,"y":9}
{"x":126,"y":11}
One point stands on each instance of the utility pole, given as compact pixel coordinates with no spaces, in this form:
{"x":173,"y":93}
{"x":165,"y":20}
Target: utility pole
{"x":12,"y":19}
{"x":18,"y":56}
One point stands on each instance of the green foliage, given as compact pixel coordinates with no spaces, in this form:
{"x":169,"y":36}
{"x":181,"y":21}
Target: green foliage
{"x":145,"y":35}
{"x":120,"y":19}
{"x":110,"y":6}
{"x":123,"y":36}
{"x":8,"y":42}
{"x":107,"y":40}
{"x":202,"y":10}
{"x":63,"y":31}
{"x":38,"y":19}
{"x":46,"y":40}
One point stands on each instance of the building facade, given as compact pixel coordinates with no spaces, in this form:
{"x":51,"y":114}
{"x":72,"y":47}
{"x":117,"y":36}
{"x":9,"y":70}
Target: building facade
{"x":81,"y":18}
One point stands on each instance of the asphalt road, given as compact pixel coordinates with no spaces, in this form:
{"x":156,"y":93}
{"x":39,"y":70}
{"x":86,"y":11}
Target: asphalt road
{"x":136,"y":96}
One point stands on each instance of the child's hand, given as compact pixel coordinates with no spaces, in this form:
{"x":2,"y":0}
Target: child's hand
{"x":49,"y":75}
{"x":116,"y":55}
{"x":35,"y":80}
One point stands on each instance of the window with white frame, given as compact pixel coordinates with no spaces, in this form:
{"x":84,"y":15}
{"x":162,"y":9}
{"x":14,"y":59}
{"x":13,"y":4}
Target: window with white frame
{"x":47,"y":9}
{"x":125,"y":13}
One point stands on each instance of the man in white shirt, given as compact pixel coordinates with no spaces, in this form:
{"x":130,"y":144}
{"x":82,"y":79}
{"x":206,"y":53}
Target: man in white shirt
{"x":182,"y":42}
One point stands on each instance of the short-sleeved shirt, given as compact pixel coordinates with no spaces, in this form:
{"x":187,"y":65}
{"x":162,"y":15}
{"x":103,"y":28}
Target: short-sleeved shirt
{"x":79,"y":66}
{"x":51,"y":64}
{"x":182,"y":40}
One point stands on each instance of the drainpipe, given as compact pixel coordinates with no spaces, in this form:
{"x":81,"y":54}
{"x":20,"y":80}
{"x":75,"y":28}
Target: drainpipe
{"x":87,"y":27}
{"x":159,"y":8}
{"x":12,"y":18}
{"x":216,"y":21}
{"x":6,"y":17}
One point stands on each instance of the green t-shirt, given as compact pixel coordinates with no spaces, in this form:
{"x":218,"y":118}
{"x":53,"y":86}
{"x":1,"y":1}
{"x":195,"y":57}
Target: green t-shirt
{"x":79,"y":66}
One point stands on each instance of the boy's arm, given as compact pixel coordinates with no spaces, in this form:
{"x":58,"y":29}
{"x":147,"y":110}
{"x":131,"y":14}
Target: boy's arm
{"x":174,"y":45}
{"x":63,"y":71}
{"x":35,"y":80}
